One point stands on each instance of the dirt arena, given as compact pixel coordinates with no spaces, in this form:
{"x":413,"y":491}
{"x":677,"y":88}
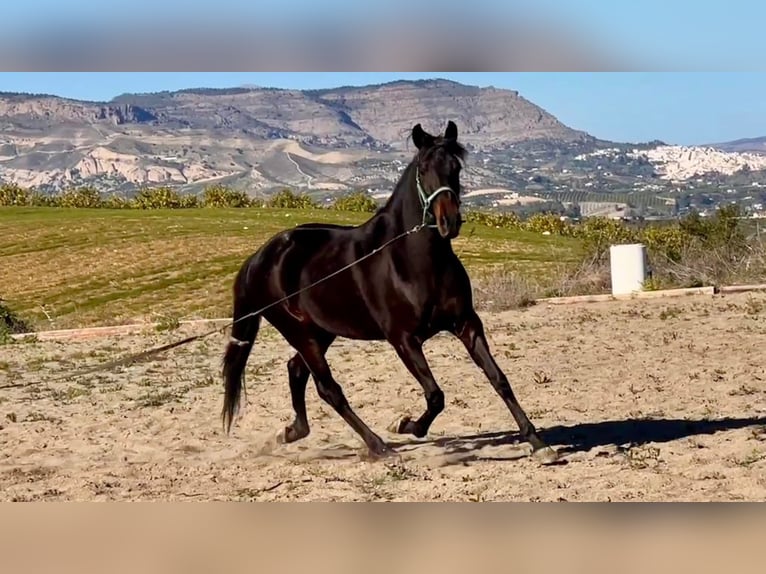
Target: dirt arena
{"x":646,"y":400}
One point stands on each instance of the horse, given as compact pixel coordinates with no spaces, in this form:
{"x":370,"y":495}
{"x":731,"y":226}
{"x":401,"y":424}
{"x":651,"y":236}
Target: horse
{"x":404,"y":294}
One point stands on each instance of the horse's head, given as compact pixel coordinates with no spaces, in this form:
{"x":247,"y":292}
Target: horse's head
{"x":439,"y":162}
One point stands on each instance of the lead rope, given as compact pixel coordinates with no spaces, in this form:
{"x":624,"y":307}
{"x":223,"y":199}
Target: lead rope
{"x":425,"y":200}
{"x":132,"y":359}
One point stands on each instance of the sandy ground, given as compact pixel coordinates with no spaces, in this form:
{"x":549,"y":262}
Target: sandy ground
{"x":646,"y":400}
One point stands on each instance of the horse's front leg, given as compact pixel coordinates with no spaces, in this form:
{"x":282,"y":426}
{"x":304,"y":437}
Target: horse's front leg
{"x":410,"y":351}
{"x":471,"y":333}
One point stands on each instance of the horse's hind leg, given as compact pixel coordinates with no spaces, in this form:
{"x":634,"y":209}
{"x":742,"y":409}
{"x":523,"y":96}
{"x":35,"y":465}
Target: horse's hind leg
{"x":298,"y":373}
{"x":410,"y":351}
{"x":329,"y":390}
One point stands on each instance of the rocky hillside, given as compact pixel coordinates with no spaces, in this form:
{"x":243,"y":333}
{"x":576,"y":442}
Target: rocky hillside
{"x":487,"y":117}
{"x":258,"y":138}
{"x":347,"y":138}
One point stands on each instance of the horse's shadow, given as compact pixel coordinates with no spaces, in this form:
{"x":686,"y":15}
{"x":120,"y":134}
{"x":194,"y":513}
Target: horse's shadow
{"x":583,"y":437}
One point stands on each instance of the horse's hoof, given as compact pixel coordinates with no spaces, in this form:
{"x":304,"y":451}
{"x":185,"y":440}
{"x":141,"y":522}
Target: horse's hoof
{"x":545,"y":455}
{"x":399,"y":425}
{"x":291,"y":434}
{"x":381,"y":451}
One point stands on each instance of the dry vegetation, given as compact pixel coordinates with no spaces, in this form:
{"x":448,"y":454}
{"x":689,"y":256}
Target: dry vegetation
{"x":647,"y":400}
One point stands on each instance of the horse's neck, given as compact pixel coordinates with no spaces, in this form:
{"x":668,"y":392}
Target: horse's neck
{"x":404,"y":207}
{"x":404,"y":212}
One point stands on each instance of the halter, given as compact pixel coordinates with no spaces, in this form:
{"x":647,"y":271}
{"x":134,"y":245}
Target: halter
{"x":429,"y":218}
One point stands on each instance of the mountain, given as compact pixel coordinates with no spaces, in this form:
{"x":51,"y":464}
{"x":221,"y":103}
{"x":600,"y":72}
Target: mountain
{"x":751,"y":145}
{"x":264,"y":138}
{"x":348,"y":138}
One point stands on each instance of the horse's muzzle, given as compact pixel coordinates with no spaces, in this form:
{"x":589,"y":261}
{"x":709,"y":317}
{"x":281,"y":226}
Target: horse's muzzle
{"x":449,"y":225}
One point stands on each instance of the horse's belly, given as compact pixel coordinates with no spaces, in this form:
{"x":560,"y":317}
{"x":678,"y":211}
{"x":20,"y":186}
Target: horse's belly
{"x":344,"y":316}
{"x":350,"y":327}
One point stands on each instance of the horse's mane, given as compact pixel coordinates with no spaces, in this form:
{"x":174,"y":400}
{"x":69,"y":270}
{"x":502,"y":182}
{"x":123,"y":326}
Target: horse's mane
{"x":452,"y":146}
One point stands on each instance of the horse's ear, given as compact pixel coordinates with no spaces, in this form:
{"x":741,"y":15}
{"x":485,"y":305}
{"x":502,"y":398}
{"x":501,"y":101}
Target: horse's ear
{"x":451,"y":133}
{"x":420,"y":137}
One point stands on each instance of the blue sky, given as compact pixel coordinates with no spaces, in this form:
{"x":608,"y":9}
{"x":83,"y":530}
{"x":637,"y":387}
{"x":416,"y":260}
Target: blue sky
{"x":721,"y":34}
{"x":705,"y":28}
{"x":682,"y":108}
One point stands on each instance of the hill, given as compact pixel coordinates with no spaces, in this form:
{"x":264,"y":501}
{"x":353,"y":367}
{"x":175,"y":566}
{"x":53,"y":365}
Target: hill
{"x":329,"y":141}
{"x":258,"y":138}
{"x":752,"y":145}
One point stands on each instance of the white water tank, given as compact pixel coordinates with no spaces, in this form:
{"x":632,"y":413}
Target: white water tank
{"x":628,"y":268}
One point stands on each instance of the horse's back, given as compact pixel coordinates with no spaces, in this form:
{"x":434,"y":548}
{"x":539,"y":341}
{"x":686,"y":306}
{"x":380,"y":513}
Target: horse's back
{"x":306,"y":255}
{"x":304,"y":235}
{"x":317,"y":225}
{"x":309,"y":248}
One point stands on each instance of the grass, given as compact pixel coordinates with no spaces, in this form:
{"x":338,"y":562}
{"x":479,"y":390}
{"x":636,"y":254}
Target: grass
{"x":65,"y":268}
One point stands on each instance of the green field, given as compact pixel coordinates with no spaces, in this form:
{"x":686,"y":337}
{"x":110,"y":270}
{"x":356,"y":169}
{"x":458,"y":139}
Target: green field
{"x":64,"y":268}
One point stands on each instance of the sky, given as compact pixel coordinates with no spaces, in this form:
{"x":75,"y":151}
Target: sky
{"x":701,"y":28}
{"x":687,"y":108}
{"x":678,"y":108}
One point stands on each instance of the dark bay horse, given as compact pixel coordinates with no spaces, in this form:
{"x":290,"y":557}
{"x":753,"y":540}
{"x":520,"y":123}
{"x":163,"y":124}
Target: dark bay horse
{"x":404,"y":294}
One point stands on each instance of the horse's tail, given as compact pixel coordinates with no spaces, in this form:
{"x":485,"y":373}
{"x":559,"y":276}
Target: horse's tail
{"x":243,"y":334}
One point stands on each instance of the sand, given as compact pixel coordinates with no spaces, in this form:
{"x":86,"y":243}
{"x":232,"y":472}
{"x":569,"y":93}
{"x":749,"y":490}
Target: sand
{"x":645,"y":400}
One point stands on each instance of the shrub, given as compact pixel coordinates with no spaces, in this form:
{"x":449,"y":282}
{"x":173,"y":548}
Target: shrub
{"x":497,"y":220}
{"x":669,"y":242}
{"x":501,"y":289}
{"x":114,"y":201}
{"x":83,"y":197}
{"x":552,"y":223}
{"x":12,"y":194}
{"x":163,"y":198}
{"x":590,"y":275}
{"x":38,"y":199}
{"x":706,"y":251}
{"x":221,"y":196}
{"x":10,"y":323}
{"x":357,"y":202}
{"x":286,"y":199}
{"x":189,"y":201}
{"x":723,"y":229}
{"x":599,"y":233}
